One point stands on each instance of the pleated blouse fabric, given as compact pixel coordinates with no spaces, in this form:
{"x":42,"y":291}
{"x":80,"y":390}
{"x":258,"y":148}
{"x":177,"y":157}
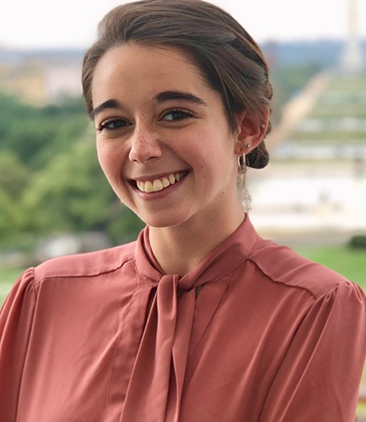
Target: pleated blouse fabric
{"x":255,"y":333}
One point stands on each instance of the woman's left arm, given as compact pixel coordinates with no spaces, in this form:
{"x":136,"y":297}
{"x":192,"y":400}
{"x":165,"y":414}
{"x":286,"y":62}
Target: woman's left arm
{"x":16,"y":318}
{"x":319,"y":378}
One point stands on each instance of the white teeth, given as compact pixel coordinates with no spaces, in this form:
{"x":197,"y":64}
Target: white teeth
{"x":148,"y":187}
{"x":159,"y":184}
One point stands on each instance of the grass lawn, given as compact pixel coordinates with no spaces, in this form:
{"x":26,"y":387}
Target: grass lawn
{"x":326,"y":111}
{"x":347,"y":84}
{"x":328,"y":136}
{"x":351,"y":263}
{"x":8,"y":277}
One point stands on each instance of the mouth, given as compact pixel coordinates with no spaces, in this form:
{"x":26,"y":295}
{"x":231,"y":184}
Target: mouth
{"x":159,"y":184}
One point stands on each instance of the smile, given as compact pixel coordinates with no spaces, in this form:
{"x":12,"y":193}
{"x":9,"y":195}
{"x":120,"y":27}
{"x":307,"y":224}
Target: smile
{"x":156,"y":185}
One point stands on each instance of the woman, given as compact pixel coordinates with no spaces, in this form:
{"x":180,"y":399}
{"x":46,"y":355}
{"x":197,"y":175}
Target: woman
{"x":200,"y":319}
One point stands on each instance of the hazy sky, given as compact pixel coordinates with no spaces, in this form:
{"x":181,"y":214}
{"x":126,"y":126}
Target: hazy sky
{"x":72,"y":23}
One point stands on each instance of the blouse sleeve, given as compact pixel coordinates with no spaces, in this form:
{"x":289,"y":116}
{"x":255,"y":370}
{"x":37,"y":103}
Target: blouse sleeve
{"x":320,"y":375}
{"x":15,"y":326}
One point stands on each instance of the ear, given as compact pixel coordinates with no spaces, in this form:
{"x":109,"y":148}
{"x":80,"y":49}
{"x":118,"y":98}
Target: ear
{"x":250,"y":132}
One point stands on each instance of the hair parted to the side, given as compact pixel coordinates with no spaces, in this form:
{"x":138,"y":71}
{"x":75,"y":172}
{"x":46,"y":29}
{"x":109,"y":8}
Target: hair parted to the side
{"x":229,"y":59}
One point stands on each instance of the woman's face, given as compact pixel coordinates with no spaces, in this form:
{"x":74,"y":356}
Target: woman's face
{"x":163,"y":139}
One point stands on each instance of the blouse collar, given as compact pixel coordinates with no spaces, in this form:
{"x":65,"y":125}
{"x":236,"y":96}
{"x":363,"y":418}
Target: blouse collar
{"x":221,"y":261}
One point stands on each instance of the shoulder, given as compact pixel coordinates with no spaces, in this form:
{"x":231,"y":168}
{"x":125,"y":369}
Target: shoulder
{"x":282,"y":265}
{"x":87,"y":264}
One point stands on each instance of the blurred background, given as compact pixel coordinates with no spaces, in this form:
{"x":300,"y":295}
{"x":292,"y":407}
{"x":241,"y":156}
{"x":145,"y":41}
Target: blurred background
{"x":312,"y":197}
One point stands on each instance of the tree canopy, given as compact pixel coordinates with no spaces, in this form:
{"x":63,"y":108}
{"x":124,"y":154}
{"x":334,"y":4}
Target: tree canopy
{"x":50,"y":180}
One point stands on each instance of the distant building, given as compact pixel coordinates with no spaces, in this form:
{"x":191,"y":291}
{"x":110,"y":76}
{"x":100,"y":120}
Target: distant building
{"x":352,"y":60}
{"x":270,"y":50}
{"x":39,"y":79}
{"x":26,"y":81}
{"x":63,"y":79}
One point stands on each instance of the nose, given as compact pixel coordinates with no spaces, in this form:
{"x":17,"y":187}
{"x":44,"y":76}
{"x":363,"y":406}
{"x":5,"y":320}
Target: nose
{"x":145,"y":145}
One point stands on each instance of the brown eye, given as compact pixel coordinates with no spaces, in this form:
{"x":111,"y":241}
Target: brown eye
{"x":174,"y":115}
{"x":112,"y":124}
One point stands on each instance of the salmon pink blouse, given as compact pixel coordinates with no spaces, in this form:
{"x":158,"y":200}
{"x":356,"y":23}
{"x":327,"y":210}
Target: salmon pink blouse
{"x":255,"y":333}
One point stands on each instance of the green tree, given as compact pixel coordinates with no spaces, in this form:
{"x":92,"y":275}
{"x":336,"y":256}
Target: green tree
{"x":14,"y":175}
{"x":70,"y":193}
{"x":9,"y":217}
{"x":37,"y":134}
{"x":50,"y":180}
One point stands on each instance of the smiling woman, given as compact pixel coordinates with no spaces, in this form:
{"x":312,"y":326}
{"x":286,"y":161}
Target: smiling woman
{"x":200,"y":319}
{"x":153,"y":133}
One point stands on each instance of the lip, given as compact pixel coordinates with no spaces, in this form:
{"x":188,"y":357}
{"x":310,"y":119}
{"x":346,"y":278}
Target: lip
{"x":156,"y":176}
{"x":162,"y":193}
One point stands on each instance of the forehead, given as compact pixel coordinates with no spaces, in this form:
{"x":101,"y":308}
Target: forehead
{"x":134,"y":70}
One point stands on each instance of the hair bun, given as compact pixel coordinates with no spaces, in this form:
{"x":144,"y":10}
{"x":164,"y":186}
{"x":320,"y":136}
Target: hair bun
{"x":258,"y":158}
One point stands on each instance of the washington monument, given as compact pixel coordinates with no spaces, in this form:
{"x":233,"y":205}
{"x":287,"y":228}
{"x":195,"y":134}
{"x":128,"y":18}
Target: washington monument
{"x":352,"y":60}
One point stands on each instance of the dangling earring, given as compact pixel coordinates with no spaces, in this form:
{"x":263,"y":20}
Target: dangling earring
{"x":241,"y":162}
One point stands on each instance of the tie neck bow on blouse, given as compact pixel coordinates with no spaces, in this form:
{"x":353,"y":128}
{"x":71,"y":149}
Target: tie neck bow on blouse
{"x":156,"y":385}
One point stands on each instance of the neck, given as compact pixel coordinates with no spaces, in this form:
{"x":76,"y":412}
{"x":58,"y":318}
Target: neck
{"x":179,"y":249}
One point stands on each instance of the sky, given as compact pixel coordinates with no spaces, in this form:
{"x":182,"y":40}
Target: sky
{"x":27,"y":24}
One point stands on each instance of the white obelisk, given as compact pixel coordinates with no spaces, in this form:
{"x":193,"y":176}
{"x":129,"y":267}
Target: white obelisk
{"x":352,"y":59}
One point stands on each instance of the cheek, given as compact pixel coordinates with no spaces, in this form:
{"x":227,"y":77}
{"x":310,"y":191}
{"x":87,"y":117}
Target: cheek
{"x":111,"y":162}
{"x":109,"y":159}
{"x":209,"y":153}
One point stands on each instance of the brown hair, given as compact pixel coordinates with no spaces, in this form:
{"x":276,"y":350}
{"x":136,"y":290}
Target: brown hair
{"x":230,"y":60}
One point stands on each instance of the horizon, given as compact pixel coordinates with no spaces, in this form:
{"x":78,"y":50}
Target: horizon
{"x":20,"y":49}
{"x":42,"y":24}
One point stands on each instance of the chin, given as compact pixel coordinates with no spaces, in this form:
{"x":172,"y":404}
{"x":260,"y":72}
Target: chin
{"x":163,"y":220}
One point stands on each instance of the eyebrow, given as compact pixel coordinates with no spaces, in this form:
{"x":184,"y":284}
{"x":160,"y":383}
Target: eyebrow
{"x":160,"y":98}
{"x":178,"y":95}
{"x":109,"y":104}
